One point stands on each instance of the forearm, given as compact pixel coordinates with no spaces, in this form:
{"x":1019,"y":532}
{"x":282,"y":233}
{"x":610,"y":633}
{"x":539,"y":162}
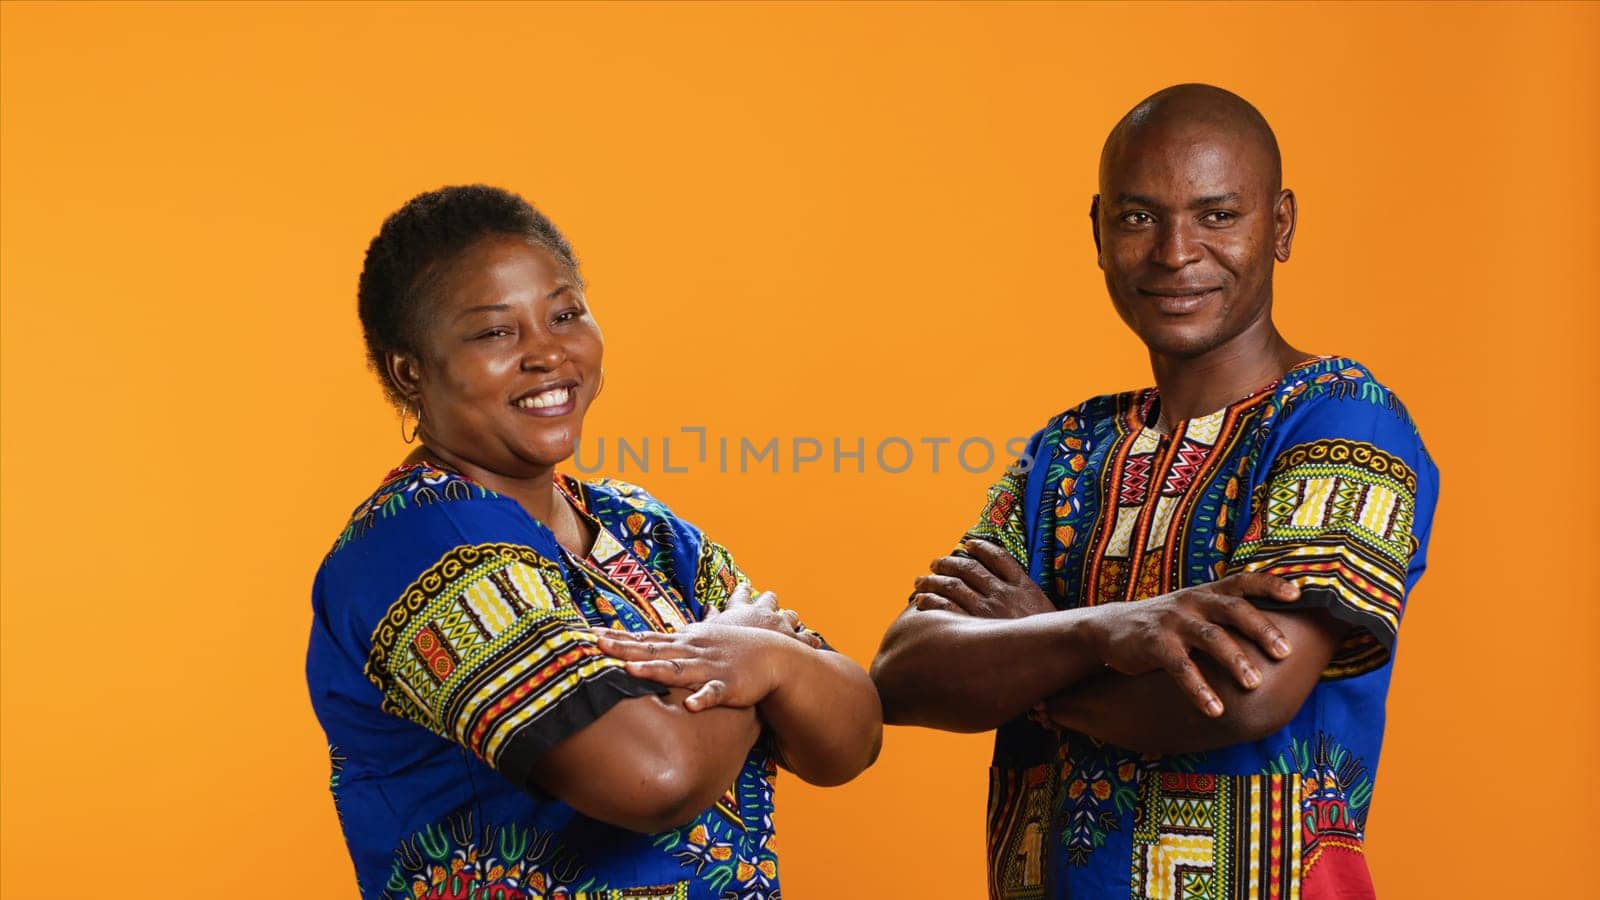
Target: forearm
{"x":825,"y":717}
{"x":1150,"y":713}
{"x":961,"y":673}
{"x":649,"y":764}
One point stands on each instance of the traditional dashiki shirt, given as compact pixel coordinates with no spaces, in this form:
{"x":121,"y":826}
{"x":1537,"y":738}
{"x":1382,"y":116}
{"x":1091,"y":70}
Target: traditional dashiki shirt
{"x":451,"y":647}
{"x":1320,"y":478}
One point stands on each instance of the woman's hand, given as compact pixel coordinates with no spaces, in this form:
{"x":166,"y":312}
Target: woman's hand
{"x":761,"y":611}
{"x":722,"y":664}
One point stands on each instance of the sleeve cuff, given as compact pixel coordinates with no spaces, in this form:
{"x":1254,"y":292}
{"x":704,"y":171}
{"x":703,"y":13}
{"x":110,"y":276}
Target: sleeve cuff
{"x":1370,"y":645}
{"x":576,"y":711}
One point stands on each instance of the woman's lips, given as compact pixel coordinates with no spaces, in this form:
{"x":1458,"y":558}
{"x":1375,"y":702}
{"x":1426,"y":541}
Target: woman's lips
{"x":555,"y":401}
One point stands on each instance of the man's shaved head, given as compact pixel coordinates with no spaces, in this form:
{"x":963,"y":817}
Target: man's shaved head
{"x":1185,"y":106}
{"x":1190,"y":219}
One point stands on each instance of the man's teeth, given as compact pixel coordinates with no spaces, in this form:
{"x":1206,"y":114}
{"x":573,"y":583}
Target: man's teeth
{"x":543,"y":399}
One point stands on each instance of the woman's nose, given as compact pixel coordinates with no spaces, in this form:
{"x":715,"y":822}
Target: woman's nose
{"x":541,"y":351}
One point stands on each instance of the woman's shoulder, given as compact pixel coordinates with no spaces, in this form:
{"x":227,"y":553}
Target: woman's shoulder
{"x":407,"y":489}
{"x":613,"y":494}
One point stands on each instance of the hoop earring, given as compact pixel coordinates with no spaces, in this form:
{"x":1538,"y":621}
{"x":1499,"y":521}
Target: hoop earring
{"x":405,"y":408}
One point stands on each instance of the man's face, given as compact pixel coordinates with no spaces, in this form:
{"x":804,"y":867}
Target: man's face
{"x":1188,"y":223}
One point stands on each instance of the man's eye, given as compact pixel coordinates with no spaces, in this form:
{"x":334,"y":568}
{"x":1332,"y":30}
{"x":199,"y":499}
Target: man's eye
{"x":1137,"y":218}
{"x":1220,"y":217}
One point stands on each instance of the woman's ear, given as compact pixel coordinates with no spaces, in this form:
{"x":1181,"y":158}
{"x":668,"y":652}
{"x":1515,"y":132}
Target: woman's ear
{"x":404,"y":372}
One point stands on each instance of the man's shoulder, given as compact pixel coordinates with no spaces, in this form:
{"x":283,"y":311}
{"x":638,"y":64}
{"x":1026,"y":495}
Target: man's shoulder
{"x":1336,"y":386}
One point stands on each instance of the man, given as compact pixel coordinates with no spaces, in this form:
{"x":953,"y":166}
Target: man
{"x":1267,"y":509}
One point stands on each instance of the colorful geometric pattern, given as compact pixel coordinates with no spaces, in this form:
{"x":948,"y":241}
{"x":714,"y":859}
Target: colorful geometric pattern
{"x":481,"y":645}
{"x":1020,"y":804}
{"x":487,"y":647}
{"x":732,"y":851}
{"x":405,"y":487}
{"x":716,"y":576}
{"x":1217,"y":837}
{"x":455,"y":860}
{"x":1001,"y":520}
{"x":1337,"y":515}
{"x":1321,"y":478}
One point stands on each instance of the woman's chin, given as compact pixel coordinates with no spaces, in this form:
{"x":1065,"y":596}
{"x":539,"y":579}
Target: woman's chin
{"x":547,"y":454}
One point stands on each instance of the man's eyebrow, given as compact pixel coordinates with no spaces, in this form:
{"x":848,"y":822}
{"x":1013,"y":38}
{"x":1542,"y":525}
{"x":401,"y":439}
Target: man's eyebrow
{"x":1212,"y":200}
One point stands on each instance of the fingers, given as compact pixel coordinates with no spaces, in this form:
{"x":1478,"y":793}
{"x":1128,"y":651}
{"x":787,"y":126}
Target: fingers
{"x":953,"y":589}
{"x":971,"y":572}
{"x":1258,"y":627}
{"x":1214,"y":641}
{"x":810,"y":638}
{"x":768,"y":600}
{"x":670,"y":672}
{"x":709,"y":695}
{"x":1259,"y":584}
{"x":641,"y":646}
{"x":996,"y":559}
{"x":791,"y":617}
{"x":1187,"y":675}
{"x":925,"y":601}
{"x":620,"y":635}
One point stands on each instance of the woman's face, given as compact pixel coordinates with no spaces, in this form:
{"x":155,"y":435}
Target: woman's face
{"x":510,"y":360}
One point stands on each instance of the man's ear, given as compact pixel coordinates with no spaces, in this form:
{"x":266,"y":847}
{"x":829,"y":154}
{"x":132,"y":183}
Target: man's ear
{"x":1284,"y":214}
{"x":1094,"y":223}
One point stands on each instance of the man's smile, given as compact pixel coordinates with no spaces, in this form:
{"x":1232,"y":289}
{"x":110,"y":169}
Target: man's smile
{"x":1179,"y":301}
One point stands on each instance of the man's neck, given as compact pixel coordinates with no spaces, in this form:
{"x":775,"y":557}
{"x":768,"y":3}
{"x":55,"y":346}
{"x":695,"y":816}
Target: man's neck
{"x":1194,"y":386}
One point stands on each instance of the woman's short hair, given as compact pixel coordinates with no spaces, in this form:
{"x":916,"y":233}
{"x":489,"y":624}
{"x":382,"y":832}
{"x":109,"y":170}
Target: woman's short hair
{"x":417,"y":241}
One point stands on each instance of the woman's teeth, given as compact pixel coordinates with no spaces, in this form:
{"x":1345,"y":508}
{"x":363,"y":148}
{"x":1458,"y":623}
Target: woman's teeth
{"x":545,"y":399}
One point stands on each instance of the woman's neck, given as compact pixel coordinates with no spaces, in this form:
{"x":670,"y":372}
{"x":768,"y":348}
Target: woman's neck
{"x":536,"y":493}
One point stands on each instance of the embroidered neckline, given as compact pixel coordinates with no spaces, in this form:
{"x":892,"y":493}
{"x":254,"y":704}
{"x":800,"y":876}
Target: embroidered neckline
{"x":1148,"y":400}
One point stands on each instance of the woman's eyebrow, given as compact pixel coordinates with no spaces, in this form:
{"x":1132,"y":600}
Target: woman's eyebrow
{"x":491,"y":307}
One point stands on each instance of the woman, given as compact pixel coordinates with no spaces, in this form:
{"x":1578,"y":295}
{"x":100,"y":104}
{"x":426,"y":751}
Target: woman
{"x":534,"y":686}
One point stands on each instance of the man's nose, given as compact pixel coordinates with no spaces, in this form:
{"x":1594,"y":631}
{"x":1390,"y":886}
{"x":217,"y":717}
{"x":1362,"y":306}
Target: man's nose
{"x":1176,"y":246}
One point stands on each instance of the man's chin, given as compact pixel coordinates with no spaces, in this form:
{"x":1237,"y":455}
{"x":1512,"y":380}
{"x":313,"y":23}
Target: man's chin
{"x":1179,"y":342}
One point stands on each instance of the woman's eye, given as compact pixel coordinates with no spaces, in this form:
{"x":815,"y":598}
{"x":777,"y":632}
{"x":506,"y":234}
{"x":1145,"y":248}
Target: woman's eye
{"x":495,"y":332}
{"x":567,"y":315}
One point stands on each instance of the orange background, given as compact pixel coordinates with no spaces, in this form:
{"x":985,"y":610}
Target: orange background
{"x":796,"y":220}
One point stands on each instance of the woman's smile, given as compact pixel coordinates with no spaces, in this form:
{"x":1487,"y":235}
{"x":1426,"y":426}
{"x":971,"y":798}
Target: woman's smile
{"x":555,"y":400}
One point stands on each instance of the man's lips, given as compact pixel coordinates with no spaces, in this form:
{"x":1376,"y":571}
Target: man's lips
{"x":1179,"y":301}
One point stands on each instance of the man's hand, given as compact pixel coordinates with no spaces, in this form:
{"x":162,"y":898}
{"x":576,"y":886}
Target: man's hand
{"x":762,"y":611}
{"x":1161,"y":632}
{"x":989,"y":584}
